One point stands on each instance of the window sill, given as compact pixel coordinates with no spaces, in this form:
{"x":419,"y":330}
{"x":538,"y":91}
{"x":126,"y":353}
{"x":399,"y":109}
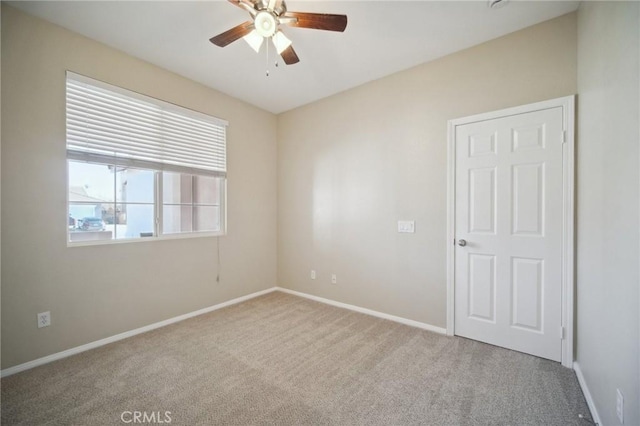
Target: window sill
{"x":145,"y":239}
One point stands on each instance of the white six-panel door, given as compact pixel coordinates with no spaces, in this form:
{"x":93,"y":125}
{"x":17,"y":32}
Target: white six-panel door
{"x":509,"y":231}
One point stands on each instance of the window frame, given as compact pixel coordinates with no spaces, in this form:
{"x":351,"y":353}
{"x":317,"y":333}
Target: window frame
{"x":157,"y":168}
{"x":158,"y":215}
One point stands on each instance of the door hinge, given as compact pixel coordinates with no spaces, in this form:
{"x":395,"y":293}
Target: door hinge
{"x":564,"y":136}
{"x":561,"y":333}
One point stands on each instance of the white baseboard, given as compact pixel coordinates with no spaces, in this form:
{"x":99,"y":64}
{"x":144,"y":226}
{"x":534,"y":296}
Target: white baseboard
{"x":371,"y":312}
{"x":78,"y":349}
{"x":587,"y":394}
{"x":59,"y":355}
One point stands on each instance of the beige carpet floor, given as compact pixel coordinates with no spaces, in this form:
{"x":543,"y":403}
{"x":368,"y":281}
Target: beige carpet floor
{"x":283,"y":360}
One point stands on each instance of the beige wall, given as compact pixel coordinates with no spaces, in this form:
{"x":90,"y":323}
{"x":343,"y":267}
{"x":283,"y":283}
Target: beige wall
{"x":608,"y":231}
{"x":352,"y":165}
{"x":95,"y":292}
{"x":348,"y":167}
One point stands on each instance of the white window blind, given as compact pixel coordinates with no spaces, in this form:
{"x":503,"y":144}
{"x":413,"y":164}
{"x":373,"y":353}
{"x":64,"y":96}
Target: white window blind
{"x":109,"y":124}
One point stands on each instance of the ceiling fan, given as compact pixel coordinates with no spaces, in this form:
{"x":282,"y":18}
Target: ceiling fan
{"x":267,"y":17}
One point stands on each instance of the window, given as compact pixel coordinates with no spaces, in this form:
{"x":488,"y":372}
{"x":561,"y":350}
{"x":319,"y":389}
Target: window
{"x":139,"y":167}
{"x":190,"y":203}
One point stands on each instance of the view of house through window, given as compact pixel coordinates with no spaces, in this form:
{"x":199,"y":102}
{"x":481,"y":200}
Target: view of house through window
{"x":108,"y":202}
{"x":190,"y":203}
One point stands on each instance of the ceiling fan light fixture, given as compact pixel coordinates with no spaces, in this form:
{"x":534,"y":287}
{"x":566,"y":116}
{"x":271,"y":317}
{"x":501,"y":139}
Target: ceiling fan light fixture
{"x":281,"y":42}
{"x":266,"y":24}
{"x":254,"y":40}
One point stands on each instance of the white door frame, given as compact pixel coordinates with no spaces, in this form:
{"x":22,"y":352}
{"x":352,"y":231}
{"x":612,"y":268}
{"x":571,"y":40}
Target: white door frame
{"x":567,"y":104}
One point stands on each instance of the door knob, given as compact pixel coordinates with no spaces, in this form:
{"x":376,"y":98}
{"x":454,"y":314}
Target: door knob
{"x":462,"y":243}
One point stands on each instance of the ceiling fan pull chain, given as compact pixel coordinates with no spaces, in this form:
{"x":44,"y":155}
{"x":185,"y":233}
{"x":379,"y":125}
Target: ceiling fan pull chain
{"x":267,"y":58}
{"x":273,"y":40}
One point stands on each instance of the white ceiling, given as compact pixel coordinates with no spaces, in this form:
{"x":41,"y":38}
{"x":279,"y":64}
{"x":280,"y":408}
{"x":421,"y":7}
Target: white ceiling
{"x":382,"y":37}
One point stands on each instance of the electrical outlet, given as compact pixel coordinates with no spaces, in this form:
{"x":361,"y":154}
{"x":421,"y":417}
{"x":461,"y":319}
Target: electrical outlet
{"x":334,"y":279}
{"x":44,"y":319}
{"x":313,"y":274}
{"x":620,"y":406}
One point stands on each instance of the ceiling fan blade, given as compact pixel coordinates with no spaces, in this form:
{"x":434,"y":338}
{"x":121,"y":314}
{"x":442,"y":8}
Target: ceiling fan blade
{"x":318,"y":21}
{"x":289,"y":56}
{"x":233,"y":34}
{"x":245,"y":5}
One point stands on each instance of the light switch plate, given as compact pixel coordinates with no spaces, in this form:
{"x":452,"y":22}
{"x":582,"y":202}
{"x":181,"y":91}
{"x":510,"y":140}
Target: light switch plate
{"x":407,"y":226}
